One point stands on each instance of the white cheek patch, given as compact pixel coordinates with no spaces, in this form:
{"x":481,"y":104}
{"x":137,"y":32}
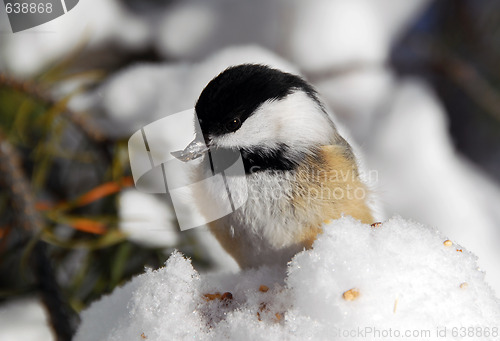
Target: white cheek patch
{"x":295,"y":120}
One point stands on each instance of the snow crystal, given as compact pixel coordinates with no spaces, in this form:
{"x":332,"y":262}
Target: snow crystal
{"x":357,"y":280}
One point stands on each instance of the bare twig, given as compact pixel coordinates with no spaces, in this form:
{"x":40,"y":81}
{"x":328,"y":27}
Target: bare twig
{"x":14,"y":181}
{"x":471,"y":82}
{"x":36,"y":92}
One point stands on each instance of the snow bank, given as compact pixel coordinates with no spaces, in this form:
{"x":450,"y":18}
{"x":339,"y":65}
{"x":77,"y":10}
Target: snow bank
{"x":403,"y":130}
{"x":421,"y":176}
{"x":357,"y":281}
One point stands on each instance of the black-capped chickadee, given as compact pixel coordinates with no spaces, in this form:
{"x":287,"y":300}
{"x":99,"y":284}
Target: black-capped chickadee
{"x":299,"y":171}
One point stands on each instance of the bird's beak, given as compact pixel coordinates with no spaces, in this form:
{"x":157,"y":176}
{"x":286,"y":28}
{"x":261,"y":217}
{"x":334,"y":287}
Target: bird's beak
{"x":193,"y":151}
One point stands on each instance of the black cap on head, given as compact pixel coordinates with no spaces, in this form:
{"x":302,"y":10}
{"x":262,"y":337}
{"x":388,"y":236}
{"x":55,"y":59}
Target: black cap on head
{"x":231,"y":97}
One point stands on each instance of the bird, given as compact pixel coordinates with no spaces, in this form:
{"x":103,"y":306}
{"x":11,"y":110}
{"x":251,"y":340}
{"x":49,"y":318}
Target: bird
{"x":299,"y":171}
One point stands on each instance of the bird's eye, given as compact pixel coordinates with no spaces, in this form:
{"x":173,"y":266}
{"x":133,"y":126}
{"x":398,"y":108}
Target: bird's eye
{"x":233,"y":124}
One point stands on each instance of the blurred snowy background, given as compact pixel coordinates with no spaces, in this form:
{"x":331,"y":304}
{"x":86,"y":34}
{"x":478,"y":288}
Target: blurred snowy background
{"x":416,"y":83}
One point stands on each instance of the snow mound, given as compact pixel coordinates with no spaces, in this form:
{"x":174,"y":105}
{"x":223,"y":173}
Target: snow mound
{"x":399,"y":279}
{"x":422,"y":177}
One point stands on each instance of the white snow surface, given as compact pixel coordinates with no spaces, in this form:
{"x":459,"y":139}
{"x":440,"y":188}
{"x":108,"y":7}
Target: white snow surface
{"x":408,"y":282}
{"x":24,"y":319}
{"x":147,"y":220}
{"x":402,"y":129}
{"x":422,"y":177}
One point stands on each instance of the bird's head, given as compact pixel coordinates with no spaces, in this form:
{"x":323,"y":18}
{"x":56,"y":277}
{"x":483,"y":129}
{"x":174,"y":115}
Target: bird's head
{"x":273,"y":118}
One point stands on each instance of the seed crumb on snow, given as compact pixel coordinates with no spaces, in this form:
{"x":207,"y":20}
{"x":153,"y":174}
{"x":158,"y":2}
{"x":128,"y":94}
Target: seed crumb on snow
{"x":396,"y":302}
{"x":263,"y":288}
{"x":351,"y":294}
{"x":400,"y":257}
